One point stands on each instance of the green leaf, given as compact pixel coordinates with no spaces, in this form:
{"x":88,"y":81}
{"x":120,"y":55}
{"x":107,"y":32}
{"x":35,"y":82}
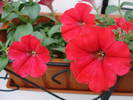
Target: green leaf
{"x":31,"y":10}
{"x":54,"y":29}
{"x":23,"y":0}
{"x":111,"y":9}
{"x":126,"y":4}
{"x":130,"y":45}
{"x":3,"y":62}
{"x":61,"y":49}
{"x":50,"y":17}
{"x":38,"y":35}
{"x":1,"y":44}
{"x":22,"y":30}
{"x":128,"y":15}
{"x":49,"y":41}
{"x":9,"y":10}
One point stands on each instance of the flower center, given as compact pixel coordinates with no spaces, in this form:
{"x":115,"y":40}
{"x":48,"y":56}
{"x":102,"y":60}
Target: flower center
{"x":32,"y":53}
{"x":81,"y":23}
{"x":100,"y":54}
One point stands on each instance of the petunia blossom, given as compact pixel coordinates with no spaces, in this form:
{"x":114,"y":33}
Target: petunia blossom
{"x":76,"y":21}
{"x":29,"y":56}
{"x":97,"y":58}
{"x":123,"y":24}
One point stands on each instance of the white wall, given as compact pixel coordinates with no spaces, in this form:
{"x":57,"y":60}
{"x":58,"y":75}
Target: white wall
{"x":62,"y":5}
{"x":115,"y":2}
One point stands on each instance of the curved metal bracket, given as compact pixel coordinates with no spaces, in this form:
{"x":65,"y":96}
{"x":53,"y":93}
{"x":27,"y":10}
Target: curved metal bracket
{"x":3,"y":90}
{"x":34,"y":84}
{"x":57,"y":74}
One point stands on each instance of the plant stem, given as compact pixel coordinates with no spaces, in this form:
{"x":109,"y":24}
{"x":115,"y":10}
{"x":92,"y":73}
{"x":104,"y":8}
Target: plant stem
{"x":119,"y":6}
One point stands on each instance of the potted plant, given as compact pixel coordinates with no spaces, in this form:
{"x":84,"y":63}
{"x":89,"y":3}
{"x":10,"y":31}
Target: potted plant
{"x":99,"y":47}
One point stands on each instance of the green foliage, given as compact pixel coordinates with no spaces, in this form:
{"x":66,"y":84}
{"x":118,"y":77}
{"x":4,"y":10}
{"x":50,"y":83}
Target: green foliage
{"x":126,"y":4}
{"x":38,"y":34}
{"x":128,"y":15}
{"x":10,"y":10}
{"x":111,"y":9}
{"x":27,"y":14}
{"x":130,"y":45}
{"x":22,"y":30}
{"x":104,"y":21}
{"x":53,"y":41}
{"x":3,"y":54}
{"x":3,"y":62}
{"x":31,"y":9}
{"x":121,"y":35}
{"x":54,"y":29}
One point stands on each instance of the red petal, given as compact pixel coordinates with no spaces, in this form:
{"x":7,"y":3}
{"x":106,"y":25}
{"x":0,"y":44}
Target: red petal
{"x":38,"y":67}
{"x":28,"y":65}
{"x":70,"y":17}
{"x":101,"y":78}
{"x":79,"y":64}
{"x":16,"y":50}
{"x":29,"y":40}
{"x":118,"y":49}
{"x":22,"y":66}
{"x":96,"y":76}
{"x":88,"y":41}
{"x":89,"y":19}
{"x":69,"y":32}
{"x":43,"y":54}
{"x":106,"y":37}
{"x":120,"y":66}
{"x":73,"y":51}
{"x":69,"y":28}
{"x":82,"y":9}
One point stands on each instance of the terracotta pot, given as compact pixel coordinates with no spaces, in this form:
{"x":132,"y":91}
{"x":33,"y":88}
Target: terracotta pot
{"x":15,"y":79}
{"x":45,"y":80}
{"x":63,"y":78}
{"x":126,"y":83}
{"x":69,"y":82}
{"x":74,"y":85}
{"x":40,"y":80}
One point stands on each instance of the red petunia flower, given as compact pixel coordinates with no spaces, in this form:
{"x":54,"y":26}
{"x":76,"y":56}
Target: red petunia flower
{"x":29,"y":56}
{"x":76,"y":21}
{"x":1,"y":6}
{"x":97,"y":58}
{"x":47,"y":3}
{"x":123,"y":24}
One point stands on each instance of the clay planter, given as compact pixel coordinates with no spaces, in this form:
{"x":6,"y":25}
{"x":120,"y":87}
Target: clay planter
{"x":68,"y":82}
{"x":63,"y":78}
{"x":74,"y":85}
{"x":126,"y":83}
